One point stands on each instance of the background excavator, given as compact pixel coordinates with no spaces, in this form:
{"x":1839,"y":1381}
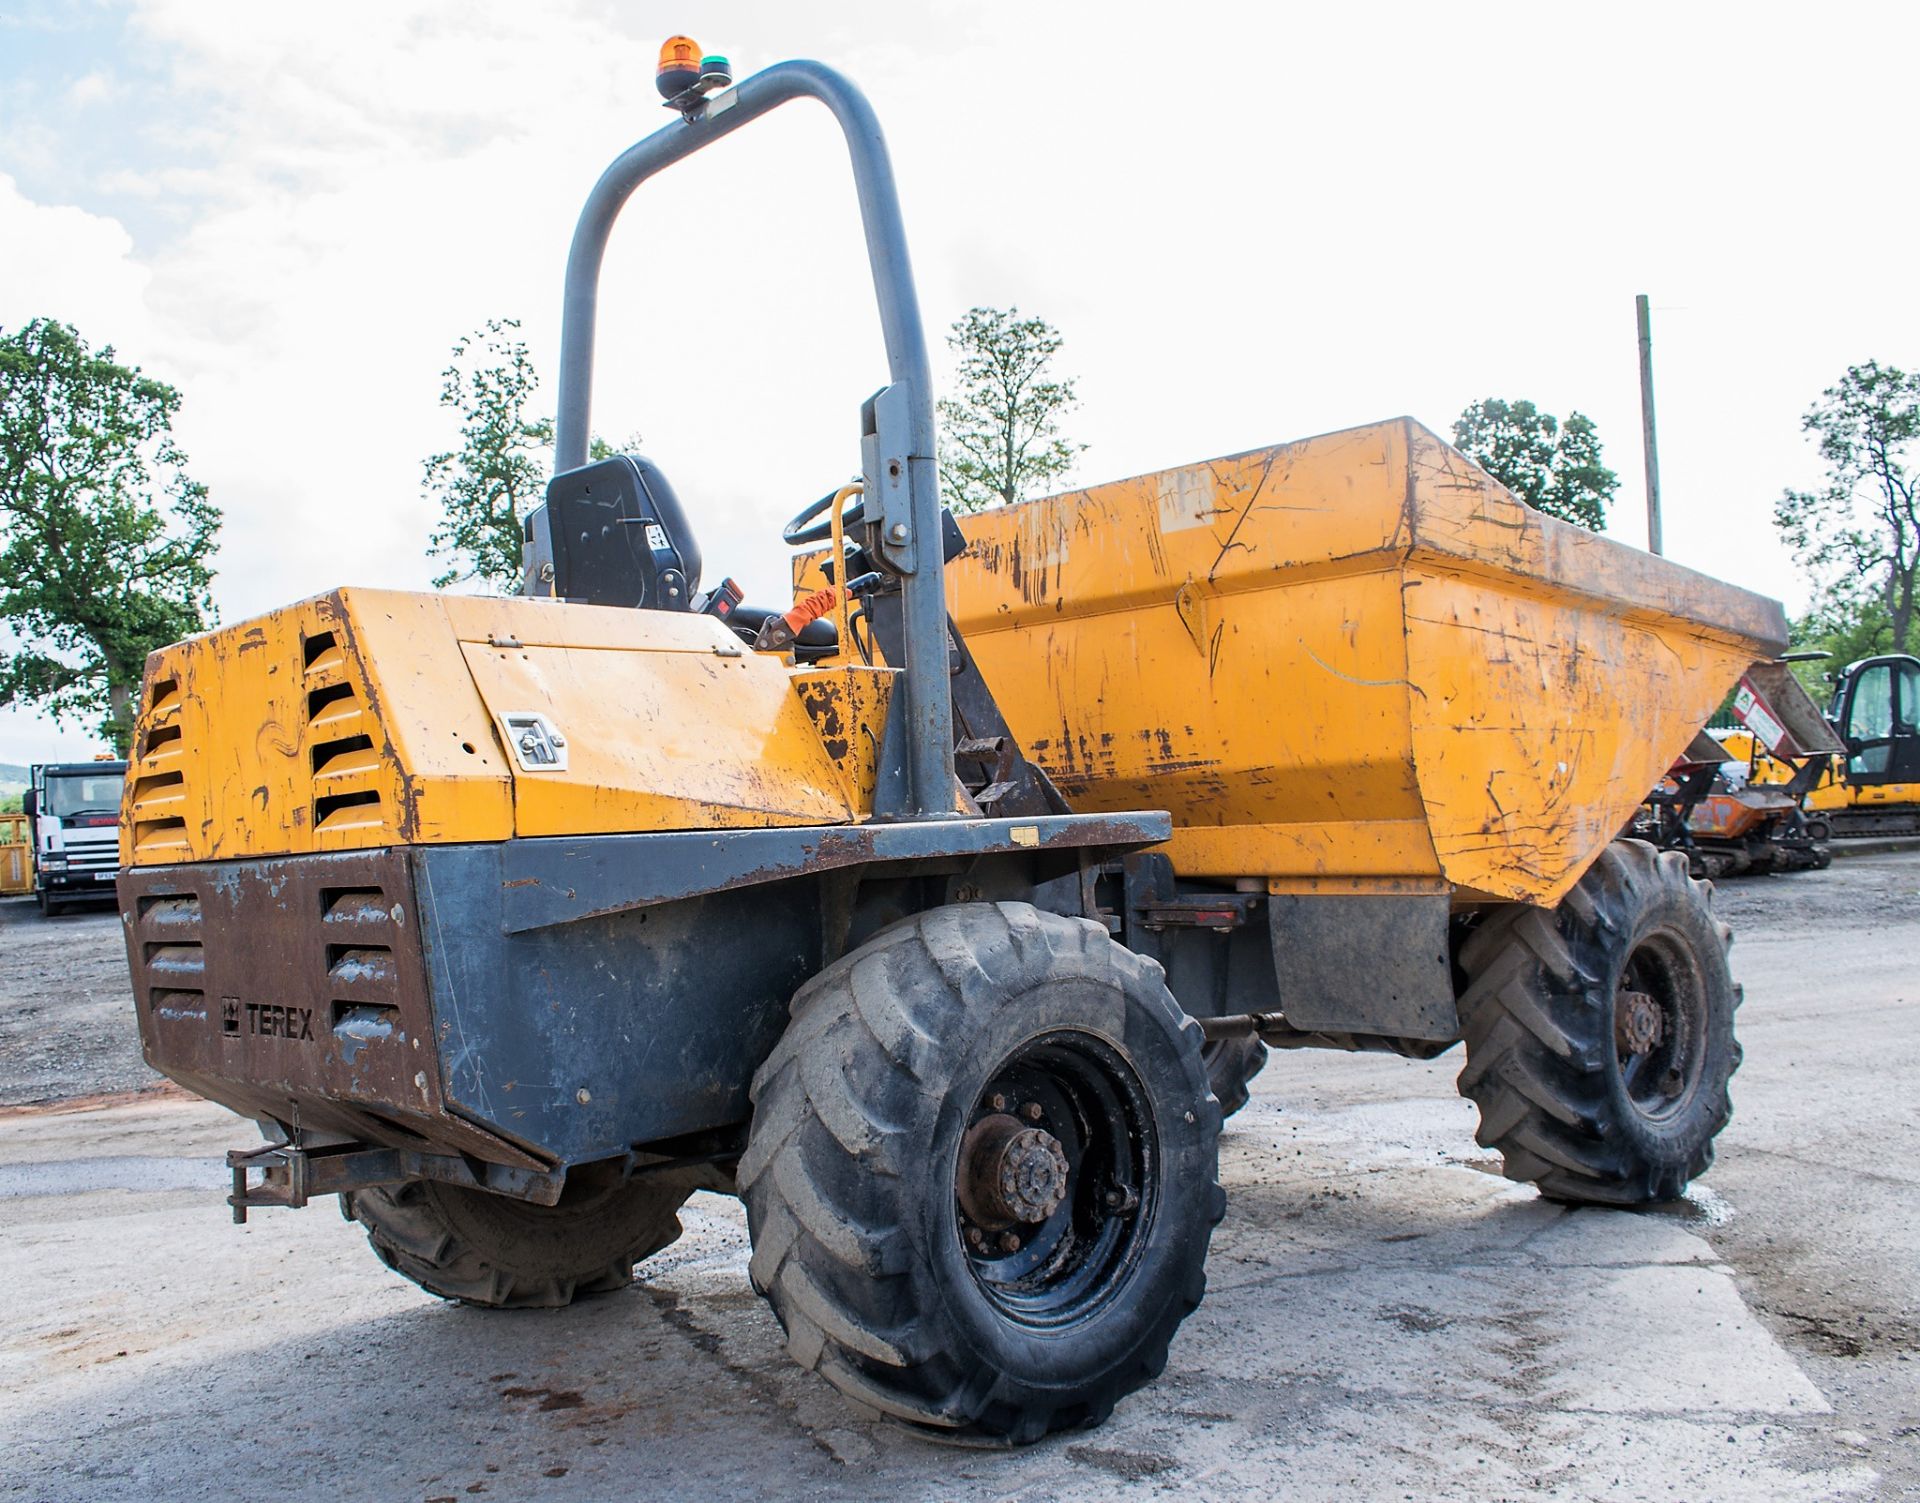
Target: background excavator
{"x":1772,"y":794}
{"x":1870,"y":785}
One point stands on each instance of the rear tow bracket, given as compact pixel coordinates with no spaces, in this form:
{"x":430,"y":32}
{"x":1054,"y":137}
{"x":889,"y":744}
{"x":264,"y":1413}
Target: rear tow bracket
{"x":290,"y":1175}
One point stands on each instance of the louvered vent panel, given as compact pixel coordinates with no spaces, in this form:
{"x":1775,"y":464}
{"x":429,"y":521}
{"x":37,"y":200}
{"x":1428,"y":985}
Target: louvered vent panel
{"x":342,"y":760}
{"x":362,"y":981}
{"x":158,"y":802}
{"x":174,"y":961}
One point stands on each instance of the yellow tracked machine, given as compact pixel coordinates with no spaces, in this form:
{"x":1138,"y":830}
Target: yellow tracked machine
{"x":940,"y":939}
{"x":1863,"y":780}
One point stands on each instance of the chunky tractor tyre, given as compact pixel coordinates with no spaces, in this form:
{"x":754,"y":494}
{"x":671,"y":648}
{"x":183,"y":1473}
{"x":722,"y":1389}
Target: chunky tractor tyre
{"x":484,"y":1249}
{"x":982,"y":1173}
{"x":1600,"y":1036}
{"x":1231,"y":1066}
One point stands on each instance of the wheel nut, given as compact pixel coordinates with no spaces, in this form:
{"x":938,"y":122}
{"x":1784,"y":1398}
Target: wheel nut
{"x":998,"y":1102}
{"x":1009,"y":1242}
{"x":1031,"y":1111}
{"x":976,"y":1236}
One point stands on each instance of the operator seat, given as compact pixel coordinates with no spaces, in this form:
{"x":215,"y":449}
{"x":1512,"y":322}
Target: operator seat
{"x":620,"y":537}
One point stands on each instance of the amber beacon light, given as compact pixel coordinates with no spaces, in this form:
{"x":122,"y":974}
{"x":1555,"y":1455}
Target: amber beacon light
{"x":679,"y":67}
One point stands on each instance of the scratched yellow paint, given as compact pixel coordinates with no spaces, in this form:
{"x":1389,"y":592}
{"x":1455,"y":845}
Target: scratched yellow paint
{"x":1352,"y":658}
{"x":368,"y":718}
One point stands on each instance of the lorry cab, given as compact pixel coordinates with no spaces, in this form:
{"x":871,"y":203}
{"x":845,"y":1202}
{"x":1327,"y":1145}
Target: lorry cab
{"x":73,"y":820}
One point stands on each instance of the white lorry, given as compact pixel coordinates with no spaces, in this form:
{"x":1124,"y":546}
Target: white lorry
{"x":73,"y":822}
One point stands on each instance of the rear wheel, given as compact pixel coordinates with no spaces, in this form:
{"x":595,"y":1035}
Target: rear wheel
{"x":485,"y":1249}
{"x":1600,"y":1036}
{"x":1231,"y":1066}
{"x":982,"y":1173}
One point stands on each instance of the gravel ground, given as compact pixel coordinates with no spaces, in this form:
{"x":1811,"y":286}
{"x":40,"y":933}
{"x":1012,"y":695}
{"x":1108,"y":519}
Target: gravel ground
{"x":66,"y":1014}
{"x":1386,"y":1318}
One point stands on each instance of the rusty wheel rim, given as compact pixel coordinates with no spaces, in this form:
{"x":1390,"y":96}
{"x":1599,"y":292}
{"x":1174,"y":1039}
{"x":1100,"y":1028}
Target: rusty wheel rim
{"x":1054,"y":1187}
{"x":1659,"y":1025}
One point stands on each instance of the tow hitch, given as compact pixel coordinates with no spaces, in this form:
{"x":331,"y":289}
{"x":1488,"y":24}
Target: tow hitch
{"x":290,"y":1174}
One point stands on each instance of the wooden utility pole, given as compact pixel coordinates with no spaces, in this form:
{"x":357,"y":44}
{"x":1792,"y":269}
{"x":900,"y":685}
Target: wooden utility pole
{"x":1646,"y":424}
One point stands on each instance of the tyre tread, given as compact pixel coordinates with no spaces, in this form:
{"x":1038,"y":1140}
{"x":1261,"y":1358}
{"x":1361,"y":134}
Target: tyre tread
{"x":838,"y":1271}
{"x":1538,"y":1021}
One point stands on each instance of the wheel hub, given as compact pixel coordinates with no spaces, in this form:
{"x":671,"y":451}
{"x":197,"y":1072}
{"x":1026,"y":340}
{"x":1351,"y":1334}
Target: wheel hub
{"x":1638,"y":1023}
{"x":1010,"y":1173}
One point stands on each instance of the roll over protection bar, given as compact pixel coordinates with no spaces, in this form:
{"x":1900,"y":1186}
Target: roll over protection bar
{"x":897,"y":441}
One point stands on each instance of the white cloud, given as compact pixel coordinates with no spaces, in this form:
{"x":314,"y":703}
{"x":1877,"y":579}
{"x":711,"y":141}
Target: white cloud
{"x":63,"y":262}
{"x":90,"y":88}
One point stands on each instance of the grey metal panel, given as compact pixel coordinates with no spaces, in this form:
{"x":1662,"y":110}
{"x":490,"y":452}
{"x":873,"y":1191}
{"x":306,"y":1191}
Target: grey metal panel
{"x":596,"y":992}
{"x":614,"y":1031}
{"x":562,"y":879}
{"x":1374,"y":964}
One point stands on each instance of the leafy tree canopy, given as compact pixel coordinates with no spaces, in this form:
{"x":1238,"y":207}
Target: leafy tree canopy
{"x":1553,"y":468}
{"x":1859,"y":533}
{"x":485,"y":487}
{"x":1000,"y":436}
{"x":107,"y":540}
{"x":1847,"y":625}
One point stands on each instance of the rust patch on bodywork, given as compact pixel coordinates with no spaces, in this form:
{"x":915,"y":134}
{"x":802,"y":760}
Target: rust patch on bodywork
{"x":296,"y":989}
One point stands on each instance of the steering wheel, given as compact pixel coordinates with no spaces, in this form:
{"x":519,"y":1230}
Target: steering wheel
{"x":803,"y":529}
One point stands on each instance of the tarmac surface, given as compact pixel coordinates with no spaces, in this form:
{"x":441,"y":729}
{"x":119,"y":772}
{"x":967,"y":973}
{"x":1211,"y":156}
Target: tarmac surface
{"x":1387,"y":1318}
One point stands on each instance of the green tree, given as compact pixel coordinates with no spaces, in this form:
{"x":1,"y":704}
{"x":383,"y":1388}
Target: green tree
{"x":1000,"y":437}
{"x":486,"y":487}
{"x":1553,"y":468}
{"x":107,"y":540}
{"x":1861,"y":530}
{"x":1847,"y":623}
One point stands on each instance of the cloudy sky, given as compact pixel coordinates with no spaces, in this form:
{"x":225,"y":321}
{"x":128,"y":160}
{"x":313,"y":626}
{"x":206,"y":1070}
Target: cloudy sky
{"x":1251,"y":223}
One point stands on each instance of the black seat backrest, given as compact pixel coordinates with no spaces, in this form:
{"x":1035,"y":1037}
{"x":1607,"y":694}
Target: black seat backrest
{"x":620,"y":537}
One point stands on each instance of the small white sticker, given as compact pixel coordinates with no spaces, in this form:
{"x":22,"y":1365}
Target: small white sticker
{"x":656,"y":537}
{"x":1187,"y":499}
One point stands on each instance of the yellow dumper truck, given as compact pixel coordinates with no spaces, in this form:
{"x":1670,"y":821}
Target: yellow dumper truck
{"x":939,"y":939}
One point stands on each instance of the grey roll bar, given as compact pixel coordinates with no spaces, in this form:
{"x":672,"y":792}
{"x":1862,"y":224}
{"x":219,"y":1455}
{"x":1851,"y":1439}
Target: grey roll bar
{"x":902,"y":499}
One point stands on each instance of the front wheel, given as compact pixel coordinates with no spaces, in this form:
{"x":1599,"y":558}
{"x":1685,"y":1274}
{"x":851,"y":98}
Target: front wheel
{"x":1600,"y":1036}
{"x":982,"y":1173}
